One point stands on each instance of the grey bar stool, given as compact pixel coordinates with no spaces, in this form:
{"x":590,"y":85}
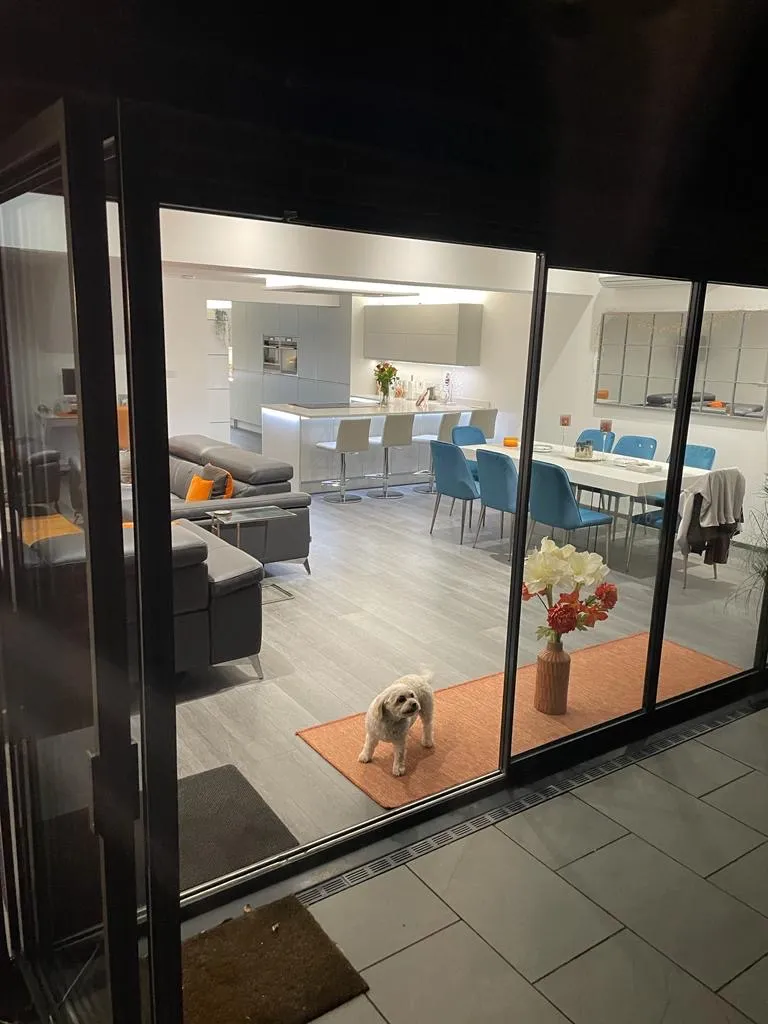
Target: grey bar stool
{"x":397,"y":433}
{"x":448,"y":421}
{"x":486,"y":420}
{"x":351,"y":437}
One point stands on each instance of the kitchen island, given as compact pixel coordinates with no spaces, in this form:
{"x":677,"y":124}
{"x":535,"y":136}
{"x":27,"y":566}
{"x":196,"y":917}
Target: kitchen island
{"x":291,"y":433}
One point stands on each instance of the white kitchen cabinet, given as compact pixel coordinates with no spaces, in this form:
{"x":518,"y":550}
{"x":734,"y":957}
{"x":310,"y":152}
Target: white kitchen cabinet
{"x":449,"y":334}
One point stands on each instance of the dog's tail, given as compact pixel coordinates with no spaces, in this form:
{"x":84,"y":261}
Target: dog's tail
{"x":426,"y":674}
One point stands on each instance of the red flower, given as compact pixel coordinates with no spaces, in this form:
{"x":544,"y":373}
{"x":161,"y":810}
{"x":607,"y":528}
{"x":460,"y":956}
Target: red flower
{"x":563,"y":618}
{"x":594,"y":613}
{"x":572,"y":598}
{"x":607,"y":594}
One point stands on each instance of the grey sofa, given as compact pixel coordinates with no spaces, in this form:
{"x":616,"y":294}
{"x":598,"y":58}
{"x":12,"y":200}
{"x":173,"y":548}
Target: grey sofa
{"x":216,"y":593}
{"x":258,"y":481}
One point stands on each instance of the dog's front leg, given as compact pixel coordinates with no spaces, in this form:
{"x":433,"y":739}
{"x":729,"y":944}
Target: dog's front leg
{"x":427,"y":732}
{"x":398,"y":764}
{"x":366,"y":754}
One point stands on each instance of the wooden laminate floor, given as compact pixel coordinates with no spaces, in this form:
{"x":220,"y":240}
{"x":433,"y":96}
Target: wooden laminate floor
{"x":385,"y":598}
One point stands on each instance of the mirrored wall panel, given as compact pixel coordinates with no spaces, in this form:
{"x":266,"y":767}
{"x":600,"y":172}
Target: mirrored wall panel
{"x":639,"y":354}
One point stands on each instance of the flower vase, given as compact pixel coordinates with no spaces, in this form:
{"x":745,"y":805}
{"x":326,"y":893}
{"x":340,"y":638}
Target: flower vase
{"x":384,"y":400}
{"x":553,"y":670}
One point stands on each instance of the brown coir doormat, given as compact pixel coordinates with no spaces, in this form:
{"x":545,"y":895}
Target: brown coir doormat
{"x":274,"y":965}
{"x":606,"y":682}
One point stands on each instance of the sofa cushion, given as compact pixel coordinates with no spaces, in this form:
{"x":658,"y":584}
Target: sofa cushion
{"x":229,"y":569}
{"x":249,"y":467}
{"x":181,"y":472}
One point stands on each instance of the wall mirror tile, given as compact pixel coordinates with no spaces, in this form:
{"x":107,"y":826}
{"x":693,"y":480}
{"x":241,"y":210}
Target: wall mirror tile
{"x":639,"y":357}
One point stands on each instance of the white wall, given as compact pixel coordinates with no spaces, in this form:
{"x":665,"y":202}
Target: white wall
{"x":568,"y":371}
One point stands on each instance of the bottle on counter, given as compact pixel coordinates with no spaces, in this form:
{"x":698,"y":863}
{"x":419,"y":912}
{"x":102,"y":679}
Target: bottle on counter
{"x":411,"y":389}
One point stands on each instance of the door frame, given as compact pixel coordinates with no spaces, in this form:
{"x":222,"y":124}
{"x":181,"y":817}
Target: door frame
{"x":72,"y":135}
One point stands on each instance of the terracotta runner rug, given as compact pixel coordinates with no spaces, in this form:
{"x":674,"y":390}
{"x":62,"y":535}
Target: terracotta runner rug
{"x":606,"y":682}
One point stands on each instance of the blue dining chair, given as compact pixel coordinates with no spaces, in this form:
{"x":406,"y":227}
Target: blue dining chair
{"x":636,"y":446}
{"x":468,"y":434}
{"x":654,"y":519}
{"x":598,"y":439}
{"x":497,"y":477}
{"x":552,"y":503}
{"x":453,"y":478}
{"x":695,"y":456}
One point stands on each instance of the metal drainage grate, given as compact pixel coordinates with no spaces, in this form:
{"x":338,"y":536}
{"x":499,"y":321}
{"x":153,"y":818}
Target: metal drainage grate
{"x":549,"y":789}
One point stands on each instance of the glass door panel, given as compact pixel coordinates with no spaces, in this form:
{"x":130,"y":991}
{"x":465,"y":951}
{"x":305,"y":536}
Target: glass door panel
{"x":599,"y":458}
{"x":719,"y":568}
{"x":64,"y":681}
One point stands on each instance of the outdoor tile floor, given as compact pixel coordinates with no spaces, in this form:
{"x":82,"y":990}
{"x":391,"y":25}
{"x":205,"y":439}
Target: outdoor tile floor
{"x":640,"y":898}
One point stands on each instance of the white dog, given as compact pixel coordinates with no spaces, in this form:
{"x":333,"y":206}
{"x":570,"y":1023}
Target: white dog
{"x":392,"y":714}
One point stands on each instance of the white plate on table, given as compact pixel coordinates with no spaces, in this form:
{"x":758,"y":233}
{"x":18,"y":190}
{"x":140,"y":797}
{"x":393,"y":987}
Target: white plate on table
{"x":540,"y":446}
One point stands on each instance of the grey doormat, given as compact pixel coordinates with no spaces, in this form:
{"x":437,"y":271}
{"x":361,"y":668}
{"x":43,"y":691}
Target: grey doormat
{"x":224,"y":825}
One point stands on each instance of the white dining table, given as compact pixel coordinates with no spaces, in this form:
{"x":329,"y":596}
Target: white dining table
{"x":634,"y":479}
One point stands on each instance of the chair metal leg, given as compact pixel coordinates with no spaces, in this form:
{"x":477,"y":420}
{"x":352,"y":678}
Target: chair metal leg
{"x":608,"y":542}
{"x":630,"y":513}
{"x":630,"y":543}
{"x":430,"y":487}
{"x":256,"y":662}
{"x":471,"y":506}
{"x":501,"y":531}
{"x":452,"y":504}
{"x":714,"y":568}
{"x":463,"y":520}
{"x":434,"y":514}
{"x":529,"y":538}
{"x":685,"y":571}
{"x":511,"y":538}
{"x":480,"y":521}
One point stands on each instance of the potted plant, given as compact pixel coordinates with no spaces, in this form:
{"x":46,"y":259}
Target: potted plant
{"x":550,"y":570}
{"x":384,"y":374}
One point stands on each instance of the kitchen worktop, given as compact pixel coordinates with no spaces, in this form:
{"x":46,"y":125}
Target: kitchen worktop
{"x":363,"y":406}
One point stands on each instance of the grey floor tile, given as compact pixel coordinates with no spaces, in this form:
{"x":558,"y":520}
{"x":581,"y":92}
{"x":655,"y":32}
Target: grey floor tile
{"x":561,"y":830}
{"x":356,"y":1011}
{"x":678,"y":824}
{"x":698,"y":926}
{"x":377,"y":918}
{"x":750,"y":992}
{"x":745,"y":799}
{"x":455,"y":978}
{"x":530,"y":915}
{"x":747,"y":879}
{"x":624,"y":979}
{"x":694,"y":767}
{"x":745,"y":740}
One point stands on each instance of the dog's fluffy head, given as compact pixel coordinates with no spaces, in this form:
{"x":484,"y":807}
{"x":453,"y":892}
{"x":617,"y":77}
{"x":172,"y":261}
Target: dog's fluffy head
{"x":399,"y":702}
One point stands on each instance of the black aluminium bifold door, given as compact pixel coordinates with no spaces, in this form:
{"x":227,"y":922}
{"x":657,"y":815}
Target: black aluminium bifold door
{"x":81,"y":626}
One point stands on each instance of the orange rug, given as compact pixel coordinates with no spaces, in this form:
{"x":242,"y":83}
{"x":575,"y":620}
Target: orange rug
{"x":35,"y":528}
{"x":606,"y":682}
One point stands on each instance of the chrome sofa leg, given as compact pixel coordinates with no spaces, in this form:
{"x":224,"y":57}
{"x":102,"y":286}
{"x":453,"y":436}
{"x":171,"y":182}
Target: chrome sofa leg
{"x":256,"y":662}
{"x":306,"y":566}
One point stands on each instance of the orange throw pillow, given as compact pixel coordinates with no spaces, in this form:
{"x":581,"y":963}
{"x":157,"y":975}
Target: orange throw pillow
{"x":229,"y":490}
{"x":199,"y":489}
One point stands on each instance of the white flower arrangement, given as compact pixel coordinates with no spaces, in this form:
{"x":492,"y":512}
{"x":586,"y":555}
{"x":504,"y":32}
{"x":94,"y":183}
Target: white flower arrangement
{"x":550,"y":570}
{"x":562,"y":568}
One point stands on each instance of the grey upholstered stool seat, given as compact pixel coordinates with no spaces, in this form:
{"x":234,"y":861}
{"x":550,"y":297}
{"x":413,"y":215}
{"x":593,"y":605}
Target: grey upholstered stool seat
{"x":397,"y":433}
{"x":486,"y":420}
{"x":351,"y":437}
{"x":448,"y":421}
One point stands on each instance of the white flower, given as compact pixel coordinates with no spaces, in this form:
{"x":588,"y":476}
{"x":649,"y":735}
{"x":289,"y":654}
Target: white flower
{"x":546,"y":567}
{"x":588,"y":568}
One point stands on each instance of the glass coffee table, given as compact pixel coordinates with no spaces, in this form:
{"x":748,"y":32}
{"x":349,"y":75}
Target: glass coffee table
{"x":223,"y":520}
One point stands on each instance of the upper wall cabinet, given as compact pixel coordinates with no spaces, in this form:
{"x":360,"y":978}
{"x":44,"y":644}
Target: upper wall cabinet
{"x":449,"y":334}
